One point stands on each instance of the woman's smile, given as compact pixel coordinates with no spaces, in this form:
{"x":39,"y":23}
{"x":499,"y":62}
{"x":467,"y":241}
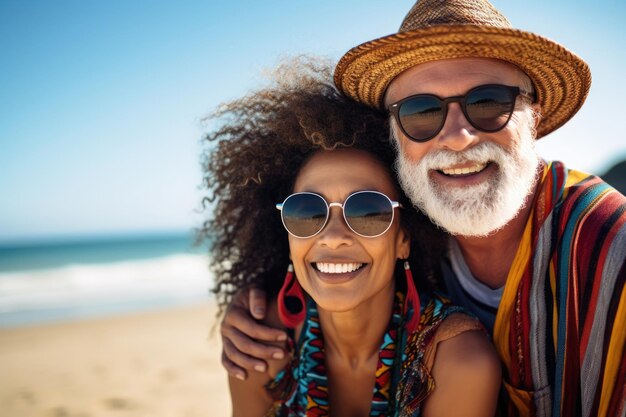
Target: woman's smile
{"x":338,"y":272}
{"x":337,"y":267}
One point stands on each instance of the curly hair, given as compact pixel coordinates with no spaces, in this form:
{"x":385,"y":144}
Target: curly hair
{"x":251,"y":162}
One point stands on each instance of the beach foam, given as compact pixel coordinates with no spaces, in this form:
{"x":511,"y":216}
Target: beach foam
{"x":78,"y":291}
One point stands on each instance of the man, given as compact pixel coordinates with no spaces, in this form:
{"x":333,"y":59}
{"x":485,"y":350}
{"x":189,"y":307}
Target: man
{"x":537,"y":251}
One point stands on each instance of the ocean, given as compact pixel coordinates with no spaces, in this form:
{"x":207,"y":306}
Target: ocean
{"x":90,"y":277}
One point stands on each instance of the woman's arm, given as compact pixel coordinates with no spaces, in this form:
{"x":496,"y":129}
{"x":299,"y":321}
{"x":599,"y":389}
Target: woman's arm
{"x":467,"y":376}
{"x":249,"y":397}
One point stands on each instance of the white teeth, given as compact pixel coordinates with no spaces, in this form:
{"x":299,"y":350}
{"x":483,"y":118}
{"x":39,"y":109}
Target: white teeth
{"x":331,"y":268}
{"x":466,"y":170}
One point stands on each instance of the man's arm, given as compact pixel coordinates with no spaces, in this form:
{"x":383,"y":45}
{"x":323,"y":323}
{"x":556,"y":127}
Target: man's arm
{"x":246,"y":343}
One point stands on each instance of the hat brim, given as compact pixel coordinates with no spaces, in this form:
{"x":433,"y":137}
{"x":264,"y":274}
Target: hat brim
{"x":561,"y":79}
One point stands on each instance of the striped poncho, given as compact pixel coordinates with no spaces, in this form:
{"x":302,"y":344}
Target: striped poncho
{"x":561,"y":324}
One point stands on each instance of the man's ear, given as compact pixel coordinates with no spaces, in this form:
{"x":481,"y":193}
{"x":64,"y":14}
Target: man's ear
{"x":536,"y":113}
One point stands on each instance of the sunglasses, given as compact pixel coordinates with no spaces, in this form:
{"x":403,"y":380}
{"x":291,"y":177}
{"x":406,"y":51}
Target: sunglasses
{"x":367,"y":213}
{"x":487,"y":107}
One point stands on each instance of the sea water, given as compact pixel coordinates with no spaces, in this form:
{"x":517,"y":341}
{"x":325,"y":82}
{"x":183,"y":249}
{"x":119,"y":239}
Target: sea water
{"x":81,"y":278}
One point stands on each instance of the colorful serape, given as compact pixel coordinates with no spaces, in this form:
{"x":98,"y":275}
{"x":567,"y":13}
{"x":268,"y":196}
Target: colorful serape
{"x":561,"y":324}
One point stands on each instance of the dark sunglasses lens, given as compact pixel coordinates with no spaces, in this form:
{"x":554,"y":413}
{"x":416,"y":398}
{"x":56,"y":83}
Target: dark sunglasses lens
{"x":421,"y":117}
{"x":489,"y":108}
{"x":304,"y":214}
{"x":368,"y":214}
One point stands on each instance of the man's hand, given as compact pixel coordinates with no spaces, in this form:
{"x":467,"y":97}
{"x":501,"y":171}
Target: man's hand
{"x":245,"y":342}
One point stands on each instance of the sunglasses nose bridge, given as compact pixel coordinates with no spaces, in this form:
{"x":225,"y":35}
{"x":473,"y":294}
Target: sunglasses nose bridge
{"x":445,"y":103}
{"x":336,"y":231}
{"x":331,"y":205}
{"x":342,"y":216}
{"x":453,"y":117}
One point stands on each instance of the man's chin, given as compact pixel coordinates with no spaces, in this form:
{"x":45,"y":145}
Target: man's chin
{"x":473,"y":216}
{"x":469,"y":229}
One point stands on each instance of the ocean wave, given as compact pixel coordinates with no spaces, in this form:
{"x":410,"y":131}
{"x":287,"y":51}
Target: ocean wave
{"x":173,"y":279}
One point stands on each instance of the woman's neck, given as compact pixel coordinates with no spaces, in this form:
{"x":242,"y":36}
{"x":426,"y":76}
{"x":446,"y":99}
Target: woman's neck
{"x":355,"y":336}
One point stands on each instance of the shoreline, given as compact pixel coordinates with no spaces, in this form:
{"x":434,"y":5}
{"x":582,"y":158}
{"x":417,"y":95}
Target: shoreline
{"x":80,"y":291}
{"x":151,"y":363}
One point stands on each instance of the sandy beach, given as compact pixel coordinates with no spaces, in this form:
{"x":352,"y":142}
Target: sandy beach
{"x":162,"y":363}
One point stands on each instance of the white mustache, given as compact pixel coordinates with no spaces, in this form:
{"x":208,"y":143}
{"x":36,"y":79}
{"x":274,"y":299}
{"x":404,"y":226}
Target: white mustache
{"x":482,"y":153}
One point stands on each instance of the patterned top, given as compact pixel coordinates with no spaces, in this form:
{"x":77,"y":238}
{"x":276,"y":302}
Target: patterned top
{"x":561,"y":324}
{"x":403,"y":377}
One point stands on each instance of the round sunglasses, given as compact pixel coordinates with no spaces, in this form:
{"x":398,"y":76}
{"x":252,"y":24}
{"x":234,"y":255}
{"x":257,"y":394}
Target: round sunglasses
{"x":367,"y":213}
{"x":487,"y":107}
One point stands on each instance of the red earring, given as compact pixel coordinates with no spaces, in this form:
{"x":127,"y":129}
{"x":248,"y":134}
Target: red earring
{"x":291,"y":301}
{"x":412,"y":299}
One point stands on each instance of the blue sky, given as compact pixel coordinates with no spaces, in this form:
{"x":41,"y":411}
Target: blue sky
{"x":100,"y":102}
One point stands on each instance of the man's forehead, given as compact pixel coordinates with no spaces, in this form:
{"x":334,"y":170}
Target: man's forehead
{"x":451,"y":77}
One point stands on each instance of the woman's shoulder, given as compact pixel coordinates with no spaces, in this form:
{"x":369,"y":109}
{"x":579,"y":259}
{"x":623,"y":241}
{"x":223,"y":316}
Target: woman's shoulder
{"x":442,"y":321}
{"x":464,"y":367}
{"x":439,"y":320}
{"x":450,"y":348}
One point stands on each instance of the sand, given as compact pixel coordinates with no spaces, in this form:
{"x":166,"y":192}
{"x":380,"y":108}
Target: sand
{"x":154,"y":364}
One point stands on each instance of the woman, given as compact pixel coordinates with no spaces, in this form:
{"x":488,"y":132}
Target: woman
{"x":365,"y":340}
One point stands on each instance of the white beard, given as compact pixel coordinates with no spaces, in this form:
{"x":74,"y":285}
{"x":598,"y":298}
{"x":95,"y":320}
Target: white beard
{"x":480,"y":209}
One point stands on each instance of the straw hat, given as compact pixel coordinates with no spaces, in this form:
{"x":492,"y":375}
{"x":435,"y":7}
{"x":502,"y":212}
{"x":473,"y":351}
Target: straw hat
{"x":443,"y":29}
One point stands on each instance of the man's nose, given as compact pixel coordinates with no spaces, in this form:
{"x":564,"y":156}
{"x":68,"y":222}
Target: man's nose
{"x":457,"y":133}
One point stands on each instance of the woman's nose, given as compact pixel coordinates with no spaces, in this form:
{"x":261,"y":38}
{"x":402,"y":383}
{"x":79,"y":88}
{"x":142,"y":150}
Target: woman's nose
{"x":336,"y":233}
